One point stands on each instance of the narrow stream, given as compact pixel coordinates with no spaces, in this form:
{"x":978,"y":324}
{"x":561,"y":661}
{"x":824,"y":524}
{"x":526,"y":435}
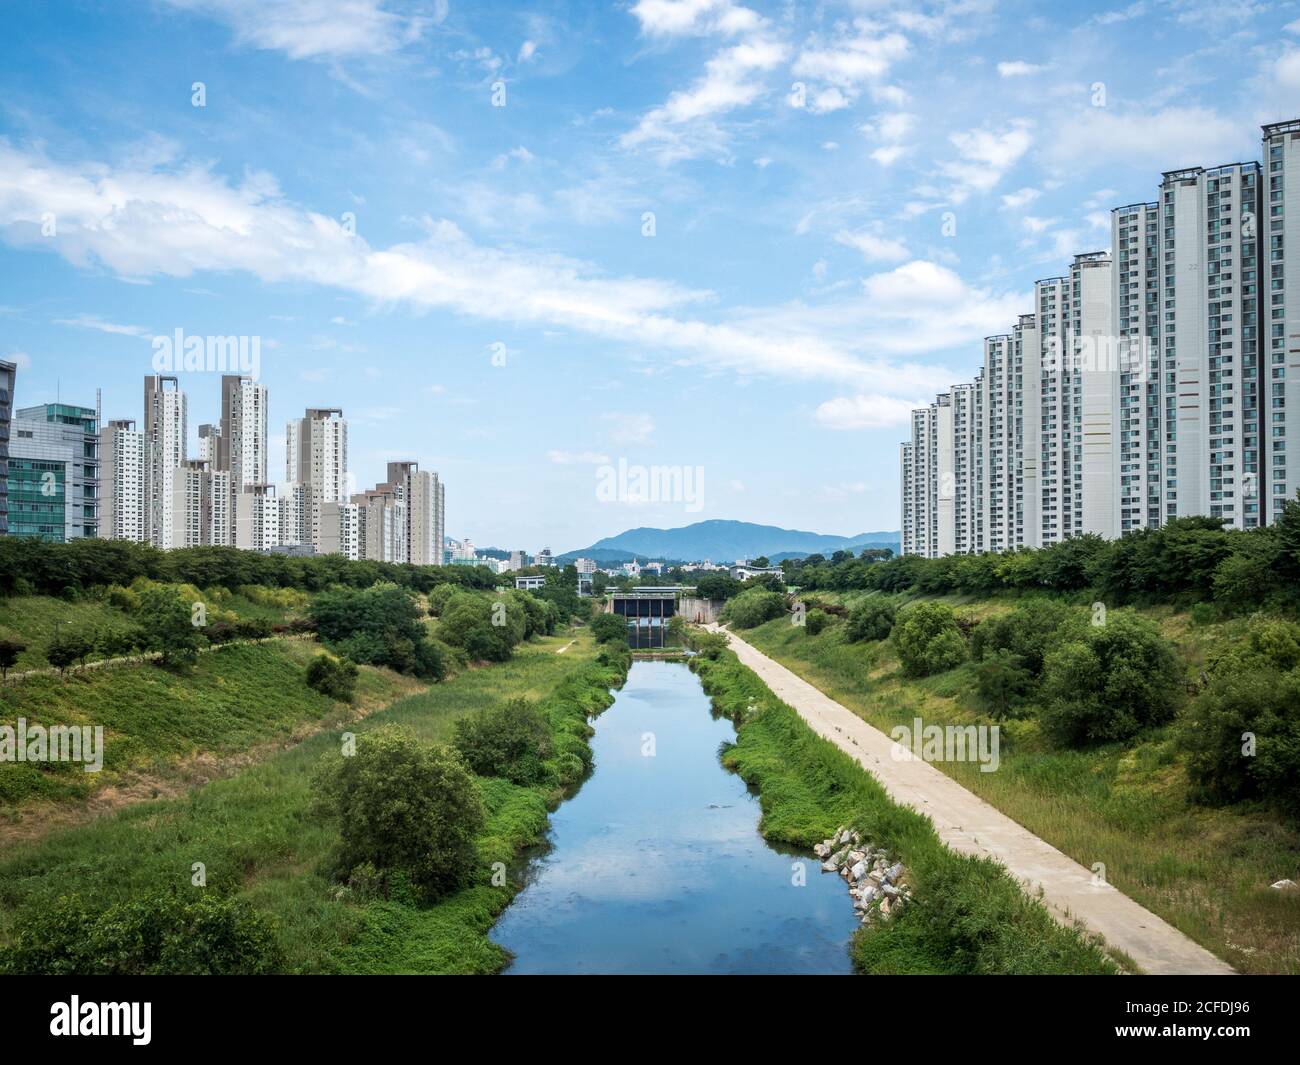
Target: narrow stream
{"x":656,"y":864}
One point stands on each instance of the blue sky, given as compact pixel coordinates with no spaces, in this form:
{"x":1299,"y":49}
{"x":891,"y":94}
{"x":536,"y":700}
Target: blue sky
{"x":500,"y":313}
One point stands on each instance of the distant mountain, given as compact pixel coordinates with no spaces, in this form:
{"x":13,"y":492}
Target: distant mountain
{"x":724,"y":541}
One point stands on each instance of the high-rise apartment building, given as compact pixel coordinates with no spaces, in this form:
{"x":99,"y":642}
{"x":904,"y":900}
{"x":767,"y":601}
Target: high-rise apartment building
{"x":124,"y":489}
{"x":421,"y":491}
{"x":165,"y":429}
{"x":1151,"y":383}
{"x":257,"y":517}
{"x":242,"y":443}
{"x":316,"y":456}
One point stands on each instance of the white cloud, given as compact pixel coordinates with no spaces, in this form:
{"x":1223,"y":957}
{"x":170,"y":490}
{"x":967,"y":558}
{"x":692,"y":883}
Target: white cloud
{"x":1162,"y":140}
{"x":849,"y":63}
{"x":865,"y":412}
{"x":1014,"y":200}
{"x":629,"y":428}
{"x":1018,"y":68}
{"x":93,"y":321}
{"x":889,"y":155}
{"x":312,"y":29}
{"x":984,"y":156}
{"x":873,"y":247}
{"x":578,"y":458}
{"x":526,"y":51}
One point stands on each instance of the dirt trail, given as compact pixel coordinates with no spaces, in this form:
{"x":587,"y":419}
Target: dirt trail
{"x":968,"y":824}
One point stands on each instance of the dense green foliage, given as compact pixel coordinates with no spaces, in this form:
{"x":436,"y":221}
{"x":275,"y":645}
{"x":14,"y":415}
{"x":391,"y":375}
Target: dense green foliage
{"x":160,"y":933}
{"x":871,"y":619}
{"x":609,"y":628}
{"x":403,"y":808}
{"x":1242,"y":732}
{"x":1121,"y":678}
{"x":1187,"y":560}
{"x":29,"y":566}
{"x":335,"y":677}
{"x":718,"y":586}
{"x":486,"y":629}
{"x":970,"y":916}
{"x":511,"y":740}
{"x":378,"y":626}
{"x":753,"y":606}
{"x":928,"y":640}
{"x":816,"y":621}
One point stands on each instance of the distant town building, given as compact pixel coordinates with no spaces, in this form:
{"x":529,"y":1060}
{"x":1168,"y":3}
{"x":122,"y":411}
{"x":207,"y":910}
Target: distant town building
{"x":530,"y":583}
{"x":744,"y":571}
{"x":316,"y":455}
{"x":545,"y":558}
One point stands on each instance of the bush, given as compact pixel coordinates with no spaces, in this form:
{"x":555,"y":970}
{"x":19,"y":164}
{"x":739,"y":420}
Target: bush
{"x":1123,"y":677}
{"x":872,"y":619}
{"x":928,"y":640}
{"x":378,"y":626}
{"x":9,"y":652}
{"x":405,"y":807}
{"x":816,"y":621}
{"x":708,"y":645}
{"x":609,"y":628}
{"x":752,"y":607}
{"x":335,"y":677}
{"x":158,"y":934}
{"x":511,"y":740}
{"x":1002,"y":683}
{"x":1029,"y":632}
{"x":1242,"y":737}
{"x":486,"y":630}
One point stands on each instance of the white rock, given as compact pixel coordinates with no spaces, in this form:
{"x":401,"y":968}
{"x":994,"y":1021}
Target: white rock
{"x":894,"y":871}
{"x":828,"y":866}
{"x":821,"y":850}
{"x":859,"y":870}
{"x":890,"y":890}
{"x":846,"y":836}
{"x":1286,"y":885}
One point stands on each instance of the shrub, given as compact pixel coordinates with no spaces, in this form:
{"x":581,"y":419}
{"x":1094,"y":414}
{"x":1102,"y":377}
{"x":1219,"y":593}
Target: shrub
{"x":1277,"y":642}
{"x":1002,"y":683}
{"x":1122,"y":677}
{"x":486,"y":630}
{"x":378,"y":626}
{"x":752,"y":607}
{"x":609,"y":628}
{"x":335,"y":677}
{"x":928,"y":640}
{"x":816,"y":621}
{"x":1242,"y":737}
{"x":872,"y":619}
{"x":1030,"y":632}
{"x":157,"y":934}
{"x":708,"y":645}
{"x":511,"y":740}
{"x":404,"y":807}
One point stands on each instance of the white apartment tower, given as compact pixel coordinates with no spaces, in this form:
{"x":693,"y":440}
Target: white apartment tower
{"x":421,"y":491}
{"x":316,"y":455}
{"x":124,"y":495}
{"x":165,"y":430}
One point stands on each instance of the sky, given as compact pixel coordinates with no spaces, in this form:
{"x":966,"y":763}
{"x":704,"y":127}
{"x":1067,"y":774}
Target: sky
{"x":526,"y":243}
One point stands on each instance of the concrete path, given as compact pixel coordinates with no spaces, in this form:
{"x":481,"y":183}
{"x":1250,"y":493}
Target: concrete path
{"x":968,"y":824}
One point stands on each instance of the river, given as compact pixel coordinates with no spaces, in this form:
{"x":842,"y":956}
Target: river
{"x":656,"y":864}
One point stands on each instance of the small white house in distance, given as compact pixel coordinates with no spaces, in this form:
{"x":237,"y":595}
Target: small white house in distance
{"x":531,"y":583}
{"x":743,"y":571}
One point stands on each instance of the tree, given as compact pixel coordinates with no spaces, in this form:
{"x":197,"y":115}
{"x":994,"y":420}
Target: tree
{"x":9,"y":652}
{"x":928,"y":639}
{"x":335,"y":677}
{"x":1002,"y":682}
{"x":815,"y":622}
{"x":753,"y":607}
{"x":717,"y":586}
{"x":512,"y":740}
{"x":1121,"y":678}
{"x":66,"y":649}
{"x":168,"y":628}
{"x":870,"y":619}
{"x":1029,"y":632}
{"x":403,"y":807}
{"x":382,"y":626}
{"x":609,"y":628}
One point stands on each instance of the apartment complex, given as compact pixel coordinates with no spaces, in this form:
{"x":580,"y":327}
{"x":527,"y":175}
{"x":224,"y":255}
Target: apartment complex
{"x":125,"y":497}
{"x":316,"y":456}
{"x":1149,"y":383}
{"x":165,"y":430}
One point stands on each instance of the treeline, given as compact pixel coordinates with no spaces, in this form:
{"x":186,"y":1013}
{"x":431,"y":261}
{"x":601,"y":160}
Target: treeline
{"x":34,"y":567}
{"x":1186,"y":561}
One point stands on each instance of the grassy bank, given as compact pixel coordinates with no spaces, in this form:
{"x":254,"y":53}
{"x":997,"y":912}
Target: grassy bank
{"x":259,"y":838}
{"x":1206,"y":870}
{"x":157,"y":722}
{"x":969,"y":916}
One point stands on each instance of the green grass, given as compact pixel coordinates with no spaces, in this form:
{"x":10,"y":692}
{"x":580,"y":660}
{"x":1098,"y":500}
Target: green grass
{"x":233,"y":698}
{"x":1205,"y":870}
{"x":968,"y":916}
{"x":257,"y":834}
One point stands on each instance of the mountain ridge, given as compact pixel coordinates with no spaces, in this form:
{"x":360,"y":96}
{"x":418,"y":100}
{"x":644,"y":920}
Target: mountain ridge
{"x":723,"y":540}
